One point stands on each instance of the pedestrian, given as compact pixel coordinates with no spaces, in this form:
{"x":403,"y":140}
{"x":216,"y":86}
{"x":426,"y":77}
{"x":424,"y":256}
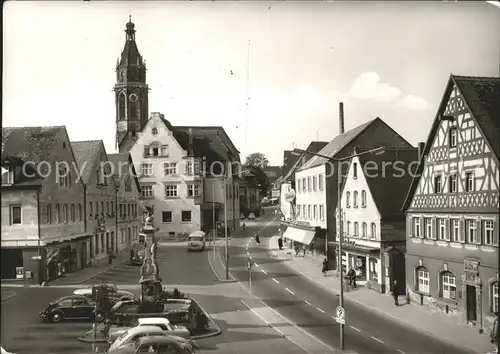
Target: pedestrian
{"x":324,"y":269}
{"x":110,"y":256}
{"x":352,"y":277}
{"x":257,"y":239}
{"x":312,"y":247}
{"x":395,"y":294}
{"x":280,"y":242}
{"x":132,"y":254}
{"x":494,"y":333}
{"x":244,"y":227}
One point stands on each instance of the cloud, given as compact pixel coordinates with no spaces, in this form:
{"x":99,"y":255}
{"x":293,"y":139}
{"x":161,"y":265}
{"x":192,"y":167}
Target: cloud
{"x":369,"y":87}
{"x":414,"y":103}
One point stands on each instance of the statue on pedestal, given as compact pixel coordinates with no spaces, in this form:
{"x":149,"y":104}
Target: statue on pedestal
{"x":150,"y":279}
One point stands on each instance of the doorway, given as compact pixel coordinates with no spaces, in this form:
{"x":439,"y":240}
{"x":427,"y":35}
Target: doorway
{"x":471,"y":304}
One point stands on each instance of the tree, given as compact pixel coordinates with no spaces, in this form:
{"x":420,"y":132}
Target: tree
{"x":257,"y":159}
{"x":260,"y":179}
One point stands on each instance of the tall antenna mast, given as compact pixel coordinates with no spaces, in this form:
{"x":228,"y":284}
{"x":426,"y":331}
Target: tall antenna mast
{"x":247,"y":95}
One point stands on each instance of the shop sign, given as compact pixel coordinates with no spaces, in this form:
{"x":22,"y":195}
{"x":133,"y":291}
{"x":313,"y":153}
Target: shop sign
{"x":471,"y":270}
{"x":19,"y":272}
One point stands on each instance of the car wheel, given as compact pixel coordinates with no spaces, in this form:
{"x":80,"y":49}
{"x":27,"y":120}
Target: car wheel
{"x":56,"y":317}
{"x":99,"y":317}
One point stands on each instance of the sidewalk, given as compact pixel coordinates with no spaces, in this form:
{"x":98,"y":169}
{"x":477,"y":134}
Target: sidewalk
{"x":85,"y":274}
{"x":421,"y":318}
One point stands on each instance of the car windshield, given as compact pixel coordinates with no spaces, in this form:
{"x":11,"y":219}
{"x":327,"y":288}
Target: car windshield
{"x":119,"y":341}
{"x":195,"y":238}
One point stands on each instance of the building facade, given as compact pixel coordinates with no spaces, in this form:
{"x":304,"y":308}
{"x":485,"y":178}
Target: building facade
{"x":170,"y":178}
{"x":43,"y":220}
{"x":374,"y":133}
{"x":128,"y":193}
{"x":249,"y":194}
{"x":452,"y":208}
{"x":373,"y":224}
{"x":100,"y":198}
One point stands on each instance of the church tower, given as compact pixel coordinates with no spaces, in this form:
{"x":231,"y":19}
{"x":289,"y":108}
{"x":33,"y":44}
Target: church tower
{"x":131,"y":92}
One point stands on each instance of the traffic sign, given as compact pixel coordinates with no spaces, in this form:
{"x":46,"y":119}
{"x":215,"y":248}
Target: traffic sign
{"x":340,"y":315}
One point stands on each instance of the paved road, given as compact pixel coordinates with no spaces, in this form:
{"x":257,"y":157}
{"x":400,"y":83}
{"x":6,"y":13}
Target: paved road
{"x":244,"y":333}
{"x":311,"y":307}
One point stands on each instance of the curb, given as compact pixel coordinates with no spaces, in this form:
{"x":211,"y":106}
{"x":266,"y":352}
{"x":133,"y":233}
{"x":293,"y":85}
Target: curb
{"x":399,"y":319}
{"x":213,"y":269}
{"x":207,"y":335}
{"x":9,"y":296}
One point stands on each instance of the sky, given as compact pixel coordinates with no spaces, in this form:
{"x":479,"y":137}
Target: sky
{"x":292,"y":62}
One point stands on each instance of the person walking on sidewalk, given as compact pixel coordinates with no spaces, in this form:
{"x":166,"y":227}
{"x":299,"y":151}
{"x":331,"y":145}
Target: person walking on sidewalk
{"x":395,"y":294}
{"x":324,"y":269}
{"x":494,"y":333}
{"x":280,"y":243}
{"x":244,"y":226}
{"x":110,"y":256}
{"x":257,"y":239}
{"x":352,"y":277}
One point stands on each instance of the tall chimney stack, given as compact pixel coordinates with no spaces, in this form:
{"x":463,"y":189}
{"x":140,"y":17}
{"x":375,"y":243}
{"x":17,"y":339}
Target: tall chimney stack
{"x":190,"y":147}
{"x":341,"y":117}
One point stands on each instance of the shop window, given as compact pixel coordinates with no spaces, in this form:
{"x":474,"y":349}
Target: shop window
{"x":423,"y":280}
{"x":373,"y":269}
{"x":448,"y":286}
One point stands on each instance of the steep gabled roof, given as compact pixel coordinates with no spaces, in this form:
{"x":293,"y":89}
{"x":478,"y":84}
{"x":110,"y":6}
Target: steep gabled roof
{"x":336,"y":145}
{"x":482,"y":97}
{"x":389,"y":182}
{"x":123,"y":160}
{"x":31,"y":145}
{"x":86,"y":154}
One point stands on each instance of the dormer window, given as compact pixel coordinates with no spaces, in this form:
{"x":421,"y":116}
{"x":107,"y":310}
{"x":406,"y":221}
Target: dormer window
{"x":156,"y":150}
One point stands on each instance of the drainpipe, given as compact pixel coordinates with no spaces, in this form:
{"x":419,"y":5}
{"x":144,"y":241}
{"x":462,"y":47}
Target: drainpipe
{"x":39,"y":235}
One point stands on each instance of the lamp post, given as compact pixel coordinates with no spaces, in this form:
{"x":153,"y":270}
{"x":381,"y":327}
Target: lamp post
{"x":377,"y":151}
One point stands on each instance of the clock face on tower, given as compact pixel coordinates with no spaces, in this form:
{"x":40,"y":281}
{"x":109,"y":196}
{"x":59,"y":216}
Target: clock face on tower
{"x":133,"y":97}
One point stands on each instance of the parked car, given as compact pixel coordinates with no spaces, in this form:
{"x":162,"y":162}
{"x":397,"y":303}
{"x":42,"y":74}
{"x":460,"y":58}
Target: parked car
{"x":134,"y":333}
{"x":3,"y":351}
{"x":196,"y":241}
{"x":158,"y":344}
{"x":111,"y":290}
{"x":161,"y":322}
{"x":251,"y":216}
{"x":70,"y":308}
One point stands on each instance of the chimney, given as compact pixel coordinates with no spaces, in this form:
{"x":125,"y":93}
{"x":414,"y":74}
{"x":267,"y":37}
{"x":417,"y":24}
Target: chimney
{"x":421,"y":147}
{"x":190,"y":147}
{"x":341,"y":117}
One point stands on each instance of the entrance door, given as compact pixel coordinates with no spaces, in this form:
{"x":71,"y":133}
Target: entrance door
{"x":471,"y":303}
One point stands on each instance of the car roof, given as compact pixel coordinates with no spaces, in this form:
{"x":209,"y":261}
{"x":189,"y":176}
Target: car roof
{"x":197,"y":233}
{"x":153,"y":320}
{"x":157,"y":339}
{"x":71,"y":297}
{"x":142,"y":329}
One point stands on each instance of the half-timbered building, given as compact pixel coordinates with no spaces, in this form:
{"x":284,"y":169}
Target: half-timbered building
{"x":452,"y":206}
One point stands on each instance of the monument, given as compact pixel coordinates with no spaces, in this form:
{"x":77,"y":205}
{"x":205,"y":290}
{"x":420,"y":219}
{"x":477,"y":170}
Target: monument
{"x":151,"y":287}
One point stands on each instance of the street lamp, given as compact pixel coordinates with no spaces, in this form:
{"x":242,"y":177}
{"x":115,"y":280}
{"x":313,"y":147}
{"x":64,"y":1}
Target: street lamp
{"x":376,"y":151}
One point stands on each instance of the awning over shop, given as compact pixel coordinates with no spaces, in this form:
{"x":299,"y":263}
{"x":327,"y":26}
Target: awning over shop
{"x":300,"y":235}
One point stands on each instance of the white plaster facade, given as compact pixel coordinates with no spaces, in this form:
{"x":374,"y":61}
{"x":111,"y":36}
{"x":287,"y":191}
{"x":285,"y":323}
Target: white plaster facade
{"x":165,"y":183}
{"x":311,"y":196}
{"x":361,"y":219}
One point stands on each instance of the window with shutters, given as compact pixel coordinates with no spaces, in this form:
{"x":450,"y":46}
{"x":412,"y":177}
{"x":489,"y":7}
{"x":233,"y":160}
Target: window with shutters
{"x":428,"y":228}
{"x":471,"y":230}
{"x":448,"y":286}
{"x":442,"y":229}
{"x":488,"y":233}
{"x":456,"y":232}
{"x":416,"y":227}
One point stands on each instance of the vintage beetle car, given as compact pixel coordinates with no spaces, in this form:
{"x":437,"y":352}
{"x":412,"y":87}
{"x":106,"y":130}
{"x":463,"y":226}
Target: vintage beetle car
{"x":161,"y":322}
{"x":70,"y":308}
{"x":111,"y":291}
{"x":158,"y":344}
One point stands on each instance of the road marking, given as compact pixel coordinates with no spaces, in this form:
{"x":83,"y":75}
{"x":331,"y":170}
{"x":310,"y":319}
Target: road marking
{"x":307,"y":302}
{"x":277,"y":282}
{"x":290,"y":291}
{"x":320,"y":310}
{"x":356,"y":329}
{"x":402,"y":352}
{"x":378,"y":340}
{"x":263,"y":271}
{"x":255,"y":264}
{"x":248,"y":253}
